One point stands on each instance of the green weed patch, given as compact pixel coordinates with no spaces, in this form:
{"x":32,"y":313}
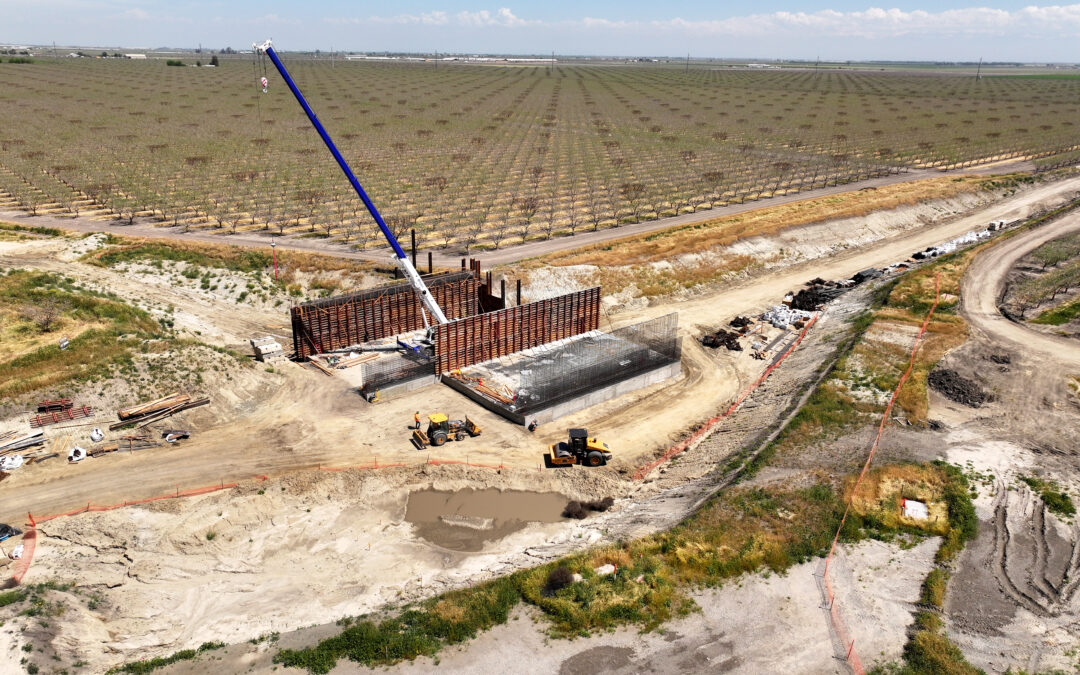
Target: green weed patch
{"x":153,"y":664}
{"x":1056,"y":499}
{"x":1059,"y":316}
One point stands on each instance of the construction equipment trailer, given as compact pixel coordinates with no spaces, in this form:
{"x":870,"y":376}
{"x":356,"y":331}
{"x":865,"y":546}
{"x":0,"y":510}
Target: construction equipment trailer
{"x":427,"y":301}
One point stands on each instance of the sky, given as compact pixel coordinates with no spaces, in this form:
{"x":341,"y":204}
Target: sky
{"x":944,"y":30}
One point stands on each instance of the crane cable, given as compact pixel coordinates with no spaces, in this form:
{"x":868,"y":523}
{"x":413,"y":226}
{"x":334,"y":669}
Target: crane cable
{"x":261,"y":81}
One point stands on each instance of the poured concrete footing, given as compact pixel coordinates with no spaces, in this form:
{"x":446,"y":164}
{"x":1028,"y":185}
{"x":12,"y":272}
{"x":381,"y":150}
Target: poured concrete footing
{"x":564,"y":408}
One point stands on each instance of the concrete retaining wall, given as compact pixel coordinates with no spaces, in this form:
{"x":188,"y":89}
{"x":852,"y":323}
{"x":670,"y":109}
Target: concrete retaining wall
{"x":564,"y":408}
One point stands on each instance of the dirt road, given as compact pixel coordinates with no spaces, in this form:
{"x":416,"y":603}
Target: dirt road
{"x":148,"y":228}
{"x":985,"y":280}
{"x":762,"y":291}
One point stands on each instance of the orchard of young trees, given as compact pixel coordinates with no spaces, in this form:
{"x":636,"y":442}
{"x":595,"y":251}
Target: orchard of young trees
{"x":484,"y":156}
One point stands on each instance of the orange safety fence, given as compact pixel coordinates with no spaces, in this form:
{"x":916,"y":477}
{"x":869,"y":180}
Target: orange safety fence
{"x":704,"y":429}
{"x":375,"y":464}
{"x":849,"y":644}
{"x":109,"y":507}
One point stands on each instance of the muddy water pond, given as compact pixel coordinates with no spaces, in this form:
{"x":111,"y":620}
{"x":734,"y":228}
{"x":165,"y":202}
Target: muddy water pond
{"x":464,"y":520}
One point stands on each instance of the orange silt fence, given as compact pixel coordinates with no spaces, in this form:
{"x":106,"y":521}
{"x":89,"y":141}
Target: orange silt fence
{"x":840,"y":629}
{"x":701,"y":432}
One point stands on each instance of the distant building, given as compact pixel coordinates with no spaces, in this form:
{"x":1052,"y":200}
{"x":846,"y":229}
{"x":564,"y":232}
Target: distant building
{"x":134,"y":56}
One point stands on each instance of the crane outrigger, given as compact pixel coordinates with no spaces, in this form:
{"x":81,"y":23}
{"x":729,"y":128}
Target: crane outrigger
{"x":426,"y":299}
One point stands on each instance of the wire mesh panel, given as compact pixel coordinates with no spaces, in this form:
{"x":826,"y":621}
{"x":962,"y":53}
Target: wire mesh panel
{"x":395,"y":369}
{"x":598,"y":360}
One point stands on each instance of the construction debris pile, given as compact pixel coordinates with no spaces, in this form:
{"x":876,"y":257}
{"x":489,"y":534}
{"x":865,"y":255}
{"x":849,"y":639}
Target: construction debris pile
{"x":11,"y":442}
{"x":724,"y":338}
{"x":147,"y":413}
{"x":782,"y":316}
{"x":962,"y":240}
{"x":812,"y":298}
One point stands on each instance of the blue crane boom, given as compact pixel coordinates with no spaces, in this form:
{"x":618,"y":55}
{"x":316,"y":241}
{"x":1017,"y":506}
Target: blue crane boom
{"x":403,"y":261}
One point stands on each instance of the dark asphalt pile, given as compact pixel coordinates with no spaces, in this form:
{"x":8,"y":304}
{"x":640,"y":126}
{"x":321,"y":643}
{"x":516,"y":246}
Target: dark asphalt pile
{"x":955,"y":387}
{"x":723,"y":338}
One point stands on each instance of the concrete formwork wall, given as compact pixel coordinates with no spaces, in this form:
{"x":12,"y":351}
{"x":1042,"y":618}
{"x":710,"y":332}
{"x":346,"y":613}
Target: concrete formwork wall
{"x":489,"y":336}
{"x":324,"y":325}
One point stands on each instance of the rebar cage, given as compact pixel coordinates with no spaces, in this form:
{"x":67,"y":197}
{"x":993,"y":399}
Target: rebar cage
{"x":596,"y":361}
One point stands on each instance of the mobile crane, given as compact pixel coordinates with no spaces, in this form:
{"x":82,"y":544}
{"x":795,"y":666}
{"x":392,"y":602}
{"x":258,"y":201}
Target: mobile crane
{"x":426,"y":299}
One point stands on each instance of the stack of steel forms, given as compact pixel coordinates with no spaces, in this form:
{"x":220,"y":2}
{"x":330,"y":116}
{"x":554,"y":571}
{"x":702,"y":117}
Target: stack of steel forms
{"x":45,"y":419}
{"x":489,"y":336}
{"x":324,"y":325}
{"x":54,"y":406}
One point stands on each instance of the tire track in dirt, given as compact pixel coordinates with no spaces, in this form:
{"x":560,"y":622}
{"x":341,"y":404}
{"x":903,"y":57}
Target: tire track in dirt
{"x":1030,"y":586}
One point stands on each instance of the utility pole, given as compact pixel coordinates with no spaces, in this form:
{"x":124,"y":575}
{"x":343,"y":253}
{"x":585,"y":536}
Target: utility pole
{"x":687,"y":62}
{"x":551,"y":66}
{"x":978,"y":73}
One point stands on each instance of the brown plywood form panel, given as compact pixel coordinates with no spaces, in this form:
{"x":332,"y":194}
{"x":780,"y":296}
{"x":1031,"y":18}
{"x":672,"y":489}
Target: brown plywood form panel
{"x":355,"y":318}
{"x":489,"y":336}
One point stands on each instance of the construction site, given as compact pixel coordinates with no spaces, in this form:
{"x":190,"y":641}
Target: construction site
{"x":834,"y":454}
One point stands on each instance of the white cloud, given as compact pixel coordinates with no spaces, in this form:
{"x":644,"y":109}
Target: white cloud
{"x":503,"y":17}
{"x":876,"y":22}
{"x":871,"y":23}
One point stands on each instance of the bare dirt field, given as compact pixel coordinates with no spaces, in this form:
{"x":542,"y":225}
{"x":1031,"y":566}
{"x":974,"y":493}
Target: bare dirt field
{"x":231,"y":565}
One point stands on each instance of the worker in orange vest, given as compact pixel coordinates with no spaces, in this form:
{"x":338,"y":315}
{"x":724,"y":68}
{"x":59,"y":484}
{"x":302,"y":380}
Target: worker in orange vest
{"x":416,"y":420}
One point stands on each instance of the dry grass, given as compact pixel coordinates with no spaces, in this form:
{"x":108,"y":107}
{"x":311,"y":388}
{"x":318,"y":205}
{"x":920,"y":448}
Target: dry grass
{"x":222,"y":256}
{"x":19,"y":336}
{"x":665,"y":245}
{"x":881,"y":491}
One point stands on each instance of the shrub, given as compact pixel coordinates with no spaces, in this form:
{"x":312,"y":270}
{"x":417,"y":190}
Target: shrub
{"x":558,"y":579}
{"x":580,"y":510}
{"x":174,"y":62}
{"x":575,"y":510}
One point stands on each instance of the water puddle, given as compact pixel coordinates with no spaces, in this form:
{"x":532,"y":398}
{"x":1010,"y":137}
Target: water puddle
{"x":465,"y":520}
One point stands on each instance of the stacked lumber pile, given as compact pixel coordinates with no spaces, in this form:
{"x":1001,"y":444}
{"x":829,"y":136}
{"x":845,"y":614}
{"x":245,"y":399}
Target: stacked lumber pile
{"x":10,"y":441}
{"x":146,"y":413}
{"x":129,"y":442}
{"x":351,"y":360}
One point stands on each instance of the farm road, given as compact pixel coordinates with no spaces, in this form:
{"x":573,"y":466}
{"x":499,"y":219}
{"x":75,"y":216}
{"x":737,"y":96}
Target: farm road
{"x":146,"y":228}
{"x":985,"y":280}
